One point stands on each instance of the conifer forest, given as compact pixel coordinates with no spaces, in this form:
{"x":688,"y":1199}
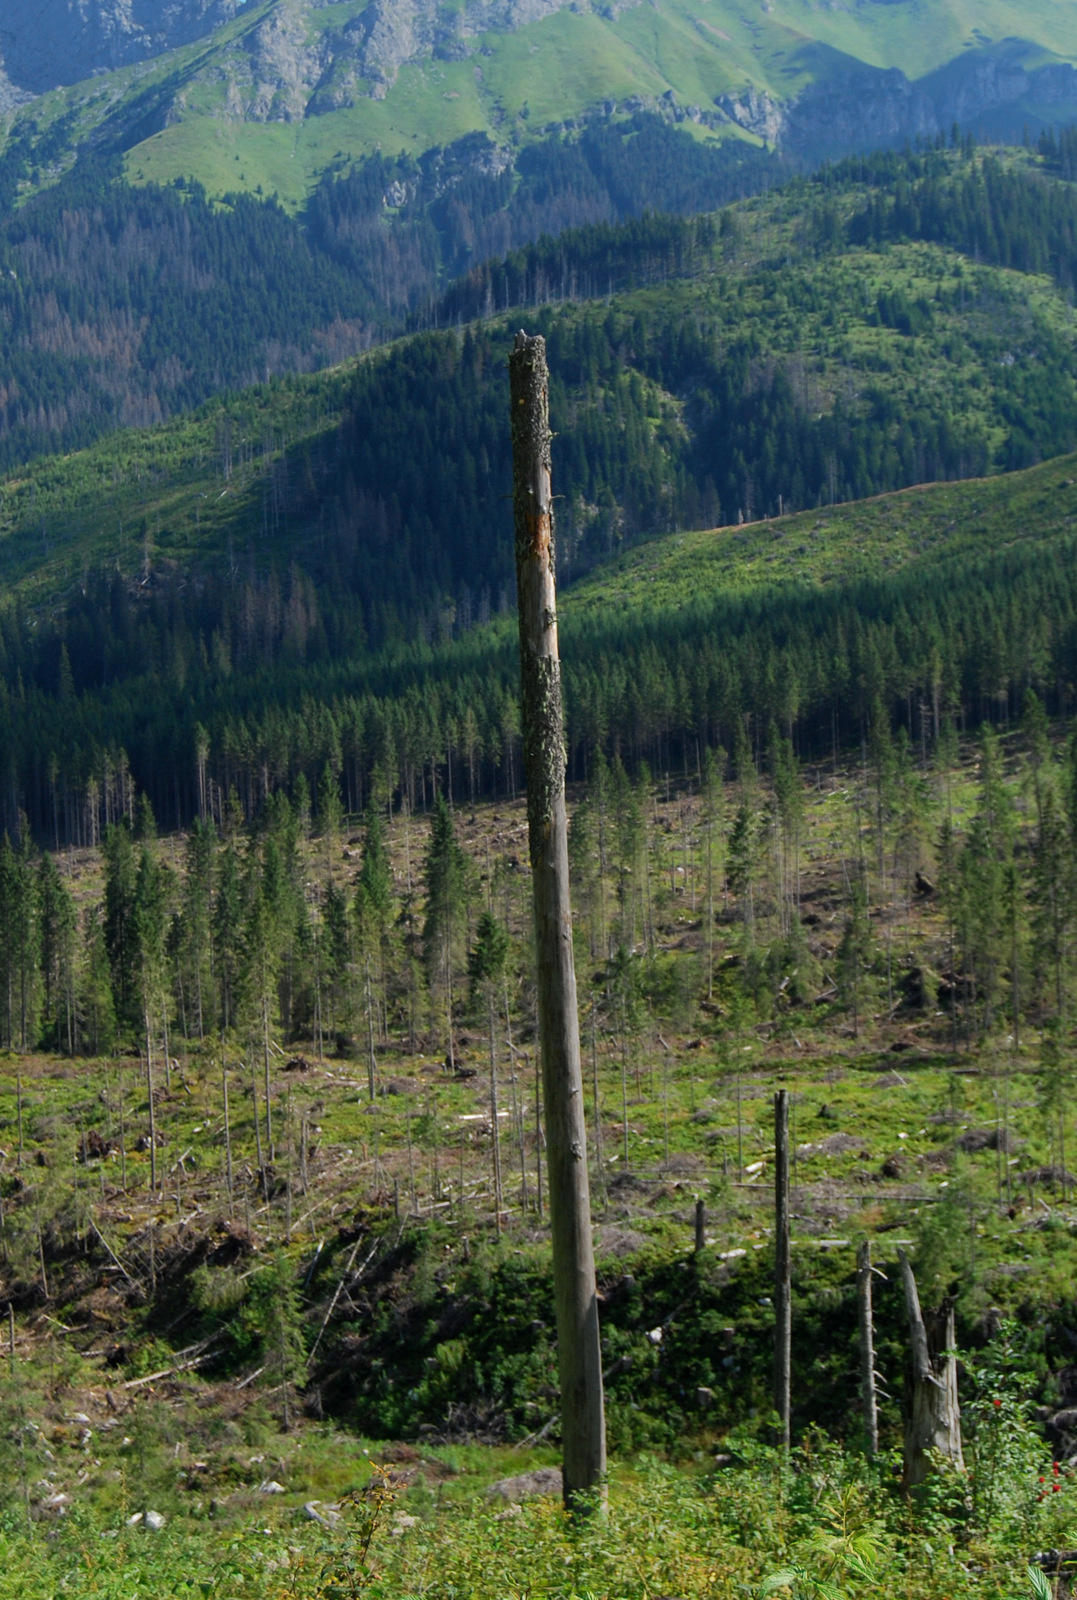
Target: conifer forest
{"x":282,"y":1175}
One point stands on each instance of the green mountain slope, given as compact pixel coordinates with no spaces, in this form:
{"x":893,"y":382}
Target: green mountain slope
{"x":126,"y":305}
{"x":287,"y":88}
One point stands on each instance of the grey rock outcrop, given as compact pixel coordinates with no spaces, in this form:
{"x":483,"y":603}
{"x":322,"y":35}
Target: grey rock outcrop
{"x":851,"y":106}
{"x":286,"y":64}
{"x":45,"y":43}
{"x":362,"y":58}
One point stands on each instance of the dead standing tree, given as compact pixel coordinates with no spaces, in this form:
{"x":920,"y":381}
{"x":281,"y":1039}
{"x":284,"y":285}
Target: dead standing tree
{"x":868,"y":1375}
{"x":583,"y":1423}
{"x":783,"y":1286}
{"x":933,"y":1420}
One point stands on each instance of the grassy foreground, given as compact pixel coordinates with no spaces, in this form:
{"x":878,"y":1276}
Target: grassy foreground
{"x":825,"y":1526}
{"x":154,"y":1373}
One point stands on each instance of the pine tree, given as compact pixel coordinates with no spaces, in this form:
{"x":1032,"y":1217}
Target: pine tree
{"x":373,"y":917}
{"x":264,"y":936}
{"x":487,"y":963}
{"x":96,"y":1006}
{"x":19,"y":944}
{"x":712,"y":811}
{"x":121,"y":875}
{"x":789,"y":798}
{"x":741,"y":862}
{"x":854,"y":950}
{"x":989,"y":908}
{"x":59,"y":926}
{"x":330,"y":814}
{"x":227,"y":934}
{"x":336,"y":954}
{"x":446,"y":894}
{"x":196,"y":945}
{"x":274,"y":1313}
{"x":149,"y":927}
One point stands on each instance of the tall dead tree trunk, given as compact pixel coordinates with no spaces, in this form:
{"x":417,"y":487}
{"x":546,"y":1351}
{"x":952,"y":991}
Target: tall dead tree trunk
{"x":783,"y":1288}
{"x":933,"y":1419}
{"x":870,"y":1410}
{"x":583,"y":1423}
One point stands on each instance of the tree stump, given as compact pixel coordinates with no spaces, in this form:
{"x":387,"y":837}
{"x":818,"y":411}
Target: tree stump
{"x":933,"y":1418}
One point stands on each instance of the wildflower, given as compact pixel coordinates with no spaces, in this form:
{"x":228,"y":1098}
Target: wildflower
{"x":998,"y":1405}
{"x":1055,"y":1468}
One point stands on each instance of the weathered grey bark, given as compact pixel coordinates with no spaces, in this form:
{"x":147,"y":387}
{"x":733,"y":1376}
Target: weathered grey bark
{"x":933,"y":1420}
{"x":494,"y":1112}
{"x":783,"y":1288}
{"x":372,"y":1063}
{"x":153,"y":1121}
{"x":867,"y":1347}
{"x":583,"y":1425}
{"x":228,"y":1142}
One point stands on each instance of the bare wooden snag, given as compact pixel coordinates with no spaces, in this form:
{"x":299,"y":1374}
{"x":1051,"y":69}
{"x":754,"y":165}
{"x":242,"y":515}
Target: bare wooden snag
{"x":583,"y":1424}
{"x":783,"y":1286}
{"x":933,"y":1420}
{"x":868,"y":1401}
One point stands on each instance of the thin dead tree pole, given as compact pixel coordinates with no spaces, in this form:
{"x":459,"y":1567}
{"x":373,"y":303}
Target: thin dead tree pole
{"x":228,"y":1142}
{"x":783,"y":1289}
{"x":868,"y":1399}
{"x":494,"y":1112}
{"x":583,"y":1422}
{"x":153,"y":1119}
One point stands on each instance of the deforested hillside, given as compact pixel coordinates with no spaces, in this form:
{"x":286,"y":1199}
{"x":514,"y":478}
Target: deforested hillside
{"x":276,"y":1234}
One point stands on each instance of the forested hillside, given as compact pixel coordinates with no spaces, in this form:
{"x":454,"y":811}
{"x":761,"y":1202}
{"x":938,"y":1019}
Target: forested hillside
{"x":125,"y":304}
{"x":194,"y":587}
{"x":947,"y":600}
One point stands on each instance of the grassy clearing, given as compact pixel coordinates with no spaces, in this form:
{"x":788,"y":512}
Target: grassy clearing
{"x":841,"y":544}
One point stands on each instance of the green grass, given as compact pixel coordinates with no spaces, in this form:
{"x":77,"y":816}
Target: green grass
{"x":841,"y":544}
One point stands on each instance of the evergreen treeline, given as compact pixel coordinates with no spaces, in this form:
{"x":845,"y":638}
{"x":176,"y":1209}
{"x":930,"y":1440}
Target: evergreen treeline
{"x":1058,"y":147}
{"x":397,"y":522}
{"x":966,"y":636}
{"x":584,"y":264}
